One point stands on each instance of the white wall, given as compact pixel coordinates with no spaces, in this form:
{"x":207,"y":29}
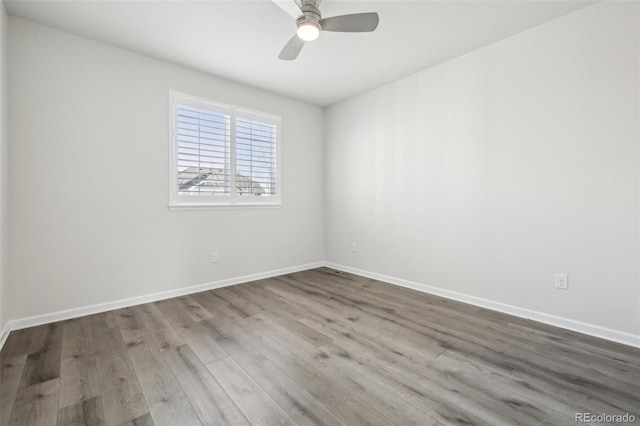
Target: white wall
{"x":487,"y":174}
{"x":4,"y":166}
{"x":89,"y":179}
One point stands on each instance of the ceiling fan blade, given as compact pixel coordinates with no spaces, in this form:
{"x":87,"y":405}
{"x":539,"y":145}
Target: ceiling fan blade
{"x":291,"y":50}
{"x":289,"y":6}
{"x":356,"y":23}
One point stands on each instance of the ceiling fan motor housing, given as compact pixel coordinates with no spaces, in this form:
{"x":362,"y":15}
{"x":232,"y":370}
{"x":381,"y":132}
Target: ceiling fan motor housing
{"x":310,"y":14}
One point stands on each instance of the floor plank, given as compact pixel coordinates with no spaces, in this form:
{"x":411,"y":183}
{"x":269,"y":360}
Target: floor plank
{"x":78,"y":380}
{"x":167,"y":402}
{"x":36,"y":405}
{"x":192,"y":332}
{"x":144,"y":420}
{"x":89,"y":412}
{"x":121,"y":393}
{"x":301,"y":406}
{"x":107,"y":330}
{"x":253,"y":401}
{"x":124,"y":402}
{"x":209,"y":400}
{"x":43,"y":362}
{"x":159,"y":327}
{"x":348,"y":406}
{"x":10,"y":374}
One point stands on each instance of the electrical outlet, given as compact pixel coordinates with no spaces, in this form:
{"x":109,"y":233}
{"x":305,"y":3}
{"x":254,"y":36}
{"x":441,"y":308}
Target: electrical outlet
{"x":213,"y":257}
{"x":354,"y":247}
{"x":562,"y":281}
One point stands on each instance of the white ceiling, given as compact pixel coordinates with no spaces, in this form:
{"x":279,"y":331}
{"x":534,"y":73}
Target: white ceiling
{"x":240,"y":40}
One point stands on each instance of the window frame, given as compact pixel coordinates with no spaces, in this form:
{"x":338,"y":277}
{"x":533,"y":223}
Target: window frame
{"x":233,"y":200}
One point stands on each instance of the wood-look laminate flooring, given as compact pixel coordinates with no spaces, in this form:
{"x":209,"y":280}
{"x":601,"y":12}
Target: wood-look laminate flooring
{"x":318,"y":347}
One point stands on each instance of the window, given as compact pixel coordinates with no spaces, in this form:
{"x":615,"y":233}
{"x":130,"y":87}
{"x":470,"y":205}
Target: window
{"x":222,"y":155}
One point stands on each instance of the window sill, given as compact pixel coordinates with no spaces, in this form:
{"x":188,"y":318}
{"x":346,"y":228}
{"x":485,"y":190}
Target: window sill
{"x":222,"y":206}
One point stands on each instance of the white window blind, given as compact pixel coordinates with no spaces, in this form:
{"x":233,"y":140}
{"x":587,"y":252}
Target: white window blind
{"x":204,"y":160}
{"x":255,"y":157}
{"x":222,"y":155}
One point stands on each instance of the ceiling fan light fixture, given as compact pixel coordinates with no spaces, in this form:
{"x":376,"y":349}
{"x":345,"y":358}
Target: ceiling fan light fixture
{"x":308,"y":31}
{"x":310,"y":23}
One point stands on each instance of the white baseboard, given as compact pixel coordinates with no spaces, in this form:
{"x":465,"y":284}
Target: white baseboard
{"x":4,"y":334}
{"x":569,"y":324}
{"x":33,"y":321}
{"x":566,"y":323}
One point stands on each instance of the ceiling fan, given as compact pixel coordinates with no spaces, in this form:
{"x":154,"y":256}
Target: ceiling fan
{"x":309,"y":23}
